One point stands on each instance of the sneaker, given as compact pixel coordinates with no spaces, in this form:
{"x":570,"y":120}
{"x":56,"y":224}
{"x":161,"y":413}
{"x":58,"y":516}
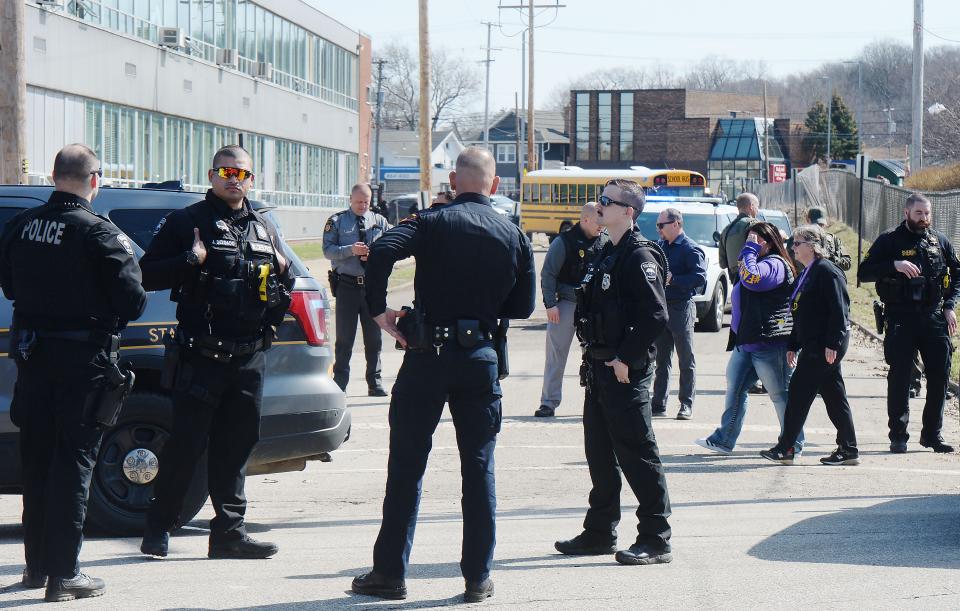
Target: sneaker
{"x":776,"y":454}
{"x":704,"y":442}
{"x":937,"y":445}
{"x":544,"y":411}
{"x":155,"y":542}
{"x":33,"y":580}
{"x":586,"y":544}
{"x":638,"y":554}
{"x":478,"y":591}
{"x":685,"y":413}
{"x":242,"y":548}
{"x":842,"y":457}
{"x":375,"y":584}
{"x":898,"y":447}
{"x":80,"y":586}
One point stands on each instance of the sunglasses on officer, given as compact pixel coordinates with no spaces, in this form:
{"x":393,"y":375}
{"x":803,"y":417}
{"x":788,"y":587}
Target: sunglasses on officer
{"x":227,"y":173}
{"x":662,"y":225}
{"x":608,"y":201}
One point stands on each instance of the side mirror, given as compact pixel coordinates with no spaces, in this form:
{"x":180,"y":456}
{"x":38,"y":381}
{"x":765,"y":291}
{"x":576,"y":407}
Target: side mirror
{"x":716,"y":237}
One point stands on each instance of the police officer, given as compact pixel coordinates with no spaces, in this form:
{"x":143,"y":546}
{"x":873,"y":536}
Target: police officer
{"x":834,"y":246}
{"x":230,"y":281}
{"x":75,"y":283}
{"x":346,"y":241}
{"x":473,"y":267}
{"x":622,"y":310}
{"x":563,"y":267}
{"x":917,"y":272}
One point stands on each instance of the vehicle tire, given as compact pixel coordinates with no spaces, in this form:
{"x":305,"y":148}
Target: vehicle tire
{"x":713,"y":317}
{"x":118,"y":502}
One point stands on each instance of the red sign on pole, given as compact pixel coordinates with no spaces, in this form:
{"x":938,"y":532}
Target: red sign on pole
{"x":778,"y":172}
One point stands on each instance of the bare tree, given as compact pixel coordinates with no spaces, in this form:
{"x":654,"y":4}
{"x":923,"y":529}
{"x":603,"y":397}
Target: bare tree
{"x":621,"y":77}
{"x":941,"y":126}
{"x":453,"y":84}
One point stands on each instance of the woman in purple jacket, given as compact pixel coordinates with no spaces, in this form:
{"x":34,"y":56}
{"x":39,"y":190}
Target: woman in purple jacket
{"x":759,"y":333}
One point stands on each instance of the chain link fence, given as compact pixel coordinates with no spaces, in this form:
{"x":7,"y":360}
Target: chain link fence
{"x":838,"y":192}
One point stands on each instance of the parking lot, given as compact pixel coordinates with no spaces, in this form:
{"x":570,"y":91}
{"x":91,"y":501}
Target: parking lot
{"x":747,"y":534}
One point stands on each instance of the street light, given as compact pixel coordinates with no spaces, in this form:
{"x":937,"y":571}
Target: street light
{"x":859,"y":101}
{"x":829,"y":116}
{"x":891,"y":129}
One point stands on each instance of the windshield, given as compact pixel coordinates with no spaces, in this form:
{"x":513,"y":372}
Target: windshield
{"x":781,"y":222}
{"x":677,"y":191}
{"x":698,"y":227}
{"x":503,"y":203}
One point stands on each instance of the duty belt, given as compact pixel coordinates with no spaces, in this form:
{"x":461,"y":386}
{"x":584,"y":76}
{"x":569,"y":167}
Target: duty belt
{"x":355,"y":280}
{"x":222,"y":350}
{"x":104,"y":339}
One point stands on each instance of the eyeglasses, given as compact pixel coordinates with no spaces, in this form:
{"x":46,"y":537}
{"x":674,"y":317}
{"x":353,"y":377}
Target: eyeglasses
{"x":606,"y":201}
{"x":662,"y":225}
{"x":798,"y":242}
{"x":237,"y":173}
{"x":99,"y":173}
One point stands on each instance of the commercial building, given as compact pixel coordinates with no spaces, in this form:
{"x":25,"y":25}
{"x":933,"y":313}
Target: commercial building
{"x":400,"y":160}
{"x":734,"y":140}
{"x":156,"y":86}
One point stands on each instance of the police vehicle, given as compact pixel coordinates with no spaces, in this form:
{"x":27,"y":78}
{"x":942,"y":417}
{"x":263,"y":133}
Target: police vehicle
{"x":304,"y":414}
{"x":702,"y":218}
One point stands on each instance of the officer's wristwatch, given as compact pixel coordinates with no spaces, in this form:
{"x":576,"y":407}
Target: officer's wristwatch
{"x":193,"y":259}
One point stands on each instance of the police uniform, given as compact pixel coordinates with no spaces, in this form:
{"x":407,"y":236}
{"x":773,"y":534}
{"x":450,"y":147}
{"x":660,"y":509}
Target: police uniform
{"x":473,"y":267}
{"x":341,"y":232}
{"x":227,"y":311}
{"x":915,"y":321}
{"x":621,"y":311}
{"x":74,"y":283}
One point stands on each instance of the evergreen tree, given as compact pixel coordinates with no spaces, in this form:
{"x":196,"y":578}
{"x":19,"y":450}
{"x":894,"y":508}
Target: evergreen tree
{"x":843,"y":127}
{"x":816,"y":123}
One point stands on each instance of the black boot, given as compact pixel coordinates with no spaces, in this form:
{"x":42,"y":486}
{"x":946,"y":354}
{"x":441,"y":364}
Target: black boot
{"x":478,"y":591}
{"x":33,"y":580}
{"x":156,"y":542}
{"x":80,"y":586}
{"x":587,"y":544}
{"x":375,"y":584}
{"x":242,"y":548}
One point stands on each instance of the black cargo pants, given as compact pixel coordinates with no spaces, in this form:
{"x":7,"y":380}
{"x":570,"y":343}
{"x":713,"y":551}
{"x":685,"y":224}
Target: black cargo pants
{"x":58,"y":450}
{"x":216,"y":407}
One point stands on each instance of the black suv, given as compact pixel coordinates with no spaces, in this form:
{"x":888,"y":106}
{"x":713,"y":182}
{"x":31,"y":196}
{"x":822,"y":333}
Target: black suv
{"x":304,"y":412}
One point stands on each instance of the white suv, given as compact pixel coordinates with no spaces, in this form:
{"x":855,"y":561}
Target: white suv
{"x":702,"y":217}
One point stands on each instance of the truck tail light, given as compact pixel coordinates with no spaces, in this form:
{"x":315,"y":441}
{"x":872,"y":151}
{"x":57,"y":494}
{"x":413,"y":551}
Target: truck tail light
{"x":307,"y":308}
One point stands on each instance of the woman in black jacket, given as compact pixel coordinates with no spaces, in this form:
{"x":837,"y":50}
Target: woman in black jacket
{"x":821,"y":335}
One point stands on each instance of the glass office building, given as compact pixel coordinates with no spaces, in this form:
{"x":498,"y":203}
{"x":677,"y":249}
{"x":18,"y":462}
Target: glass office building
{"x":741,"y":149}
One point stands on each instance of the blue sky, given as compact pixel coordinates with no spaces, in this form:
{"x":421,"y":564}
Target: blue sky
{"x":592,"y":34}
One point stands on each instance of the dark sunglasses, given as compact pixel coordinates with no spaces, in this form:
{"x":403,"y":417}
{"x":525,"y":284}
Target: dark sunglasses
{"x":227,"y":173}
{"x":606,"y":201}
{"x":662,"y":225}
{"x":99,"y":173}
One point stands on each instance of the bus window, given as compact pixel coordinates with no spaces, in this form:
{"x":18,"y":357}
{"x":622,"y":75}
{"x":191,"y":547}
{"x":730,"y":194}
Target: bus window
{"x":534,"y":195}
{"x":591,"y":193}
{"x":545,"y":194}
{"x":565,"y":195}
{"x":581,"y":194}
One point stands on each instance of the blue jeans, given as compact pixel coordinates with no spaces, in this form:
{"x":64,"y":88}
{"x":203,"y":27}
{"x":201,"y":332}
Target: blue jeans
{"x":743,"y":369}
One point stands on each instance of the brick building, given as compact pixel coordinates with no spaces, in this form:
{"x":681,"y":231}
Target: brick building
{"x":721,"y":135}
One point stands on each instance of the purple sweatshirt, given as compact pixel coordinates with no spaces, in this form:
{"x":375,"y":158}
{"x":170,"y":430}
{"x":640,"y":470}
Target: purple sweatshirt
{"x":758,"y":276}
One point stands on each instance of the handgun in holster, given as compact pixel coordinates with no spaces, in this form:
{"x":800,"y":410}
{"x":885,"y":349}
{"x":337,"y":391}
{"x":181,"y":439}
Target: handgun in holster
{"x":585,"y":374}
{"x":878,"y":315}
{"x":413,"y":326}
{"x":22,"y":343}
{"x":104,"y":404}
{"x":171,"y":361}
{"x":334,"y":279}
{"x":500,"y":345}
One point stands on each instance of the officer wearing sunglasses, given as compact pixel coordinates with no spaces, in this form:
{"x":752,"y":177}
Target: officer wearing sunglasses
{"x":224,"y":264}
{"x":621,"y":309}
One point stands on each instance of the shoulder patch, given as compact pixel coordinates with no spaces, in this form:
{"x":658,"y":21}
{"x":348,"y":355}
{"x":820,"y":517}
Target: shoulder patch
{"x":412,"y":217}
{"x":649,"y":269}
{"x":329,"y":226}
{"x":160,"y":225}
{"x":125,"y":243}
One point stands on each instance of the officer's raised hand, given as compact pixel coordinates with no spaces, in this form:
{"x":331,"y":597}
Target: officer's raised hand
{"x":907,"y":268}
{"x":620,"y":370}
{"x":198,"y":248}
{"x":388,"y":322}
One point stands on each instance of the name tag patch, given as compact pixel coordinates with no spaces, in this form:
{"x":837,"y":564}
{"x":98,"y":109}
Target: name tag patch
{"x":224,"y":244}
{"x":258,"y":247}
{"x":260,"y":230}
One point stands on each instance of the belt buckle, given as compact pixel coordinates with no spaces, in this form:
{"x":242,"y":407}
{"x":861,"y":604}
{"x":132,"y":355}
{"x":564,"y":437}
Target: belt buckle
{"x":359,"y":280}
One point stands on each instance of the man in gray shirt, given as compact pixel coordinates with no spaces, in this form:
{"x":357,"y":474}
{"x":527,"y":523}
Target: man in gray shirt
{"x":563,"y":269}
{"x":346,"y":241}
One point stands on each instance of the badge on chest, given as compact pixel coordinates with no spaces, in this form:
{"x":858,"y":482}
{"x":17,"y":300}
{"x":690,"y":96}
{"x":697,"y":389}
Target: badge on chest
{"x":605,"y":282}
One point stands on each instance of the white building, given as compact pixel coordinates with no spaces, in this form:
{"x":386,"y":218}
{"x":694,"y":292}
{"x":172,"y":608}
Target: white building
{"x":156,"y":86}
{"x":400,"y":160}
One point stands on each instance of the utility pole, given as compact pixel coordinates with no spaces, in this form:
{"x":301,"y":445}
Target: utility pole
{"x":376,"y":139}
{"x":829,"y":117}
{"x":519,"y":157}
{"x":916,"y":142}
{"x":766,"y":137}
{"x":13,"y":95}
{"x":423,"y":120}
{"x":486,"y":96}
{"x":532,"y":159}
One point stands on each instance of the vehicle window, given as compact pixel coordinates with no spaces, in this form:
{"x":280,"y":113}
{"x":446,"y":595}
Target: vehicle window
{"x":6,"y":214}
{"x":780,"y":221}
{"x":698,"y":227}
{"x":140,"y":223}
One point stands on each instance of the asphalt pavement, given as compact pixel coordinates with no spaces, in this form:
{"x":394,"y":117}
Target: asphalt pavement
{"x":747,"y":534}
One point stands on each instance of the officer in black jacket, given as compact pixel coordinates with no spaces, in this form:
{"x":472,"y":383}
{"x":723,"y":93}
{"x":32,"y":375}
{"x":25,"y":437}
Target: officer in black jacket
{"x":231,"y":283}
{"x":74,"y":283}
{"x":473,"y":267}
{"x":918,"y":279}
{"x":621,"y":311}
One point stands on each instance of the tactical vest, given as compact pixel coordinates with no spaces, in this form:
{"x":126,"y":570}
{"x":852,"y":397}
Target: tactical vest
{"x":238,"y":280}
{"x":579,"y":251}
{"x":766,"y":315}
{"x":925,"y":291}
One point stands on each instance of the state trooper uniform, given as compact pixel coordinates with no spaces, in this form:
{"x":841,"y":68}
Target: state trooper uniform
{"x":621,"y":311}
{"x":347,"y":279}
{"x":227,"y":312}
{"x":74,"y":283}
{"x":915,"y":322}
{"x":473,"y":267}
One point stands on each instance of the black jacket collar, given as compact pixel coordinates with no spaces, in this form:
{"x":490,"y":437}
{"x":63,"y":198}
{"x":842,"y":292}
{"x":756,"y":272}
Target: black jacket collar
{"x":224,"y":209}
{"x":476,"y":198}
{"x":62,"y":198}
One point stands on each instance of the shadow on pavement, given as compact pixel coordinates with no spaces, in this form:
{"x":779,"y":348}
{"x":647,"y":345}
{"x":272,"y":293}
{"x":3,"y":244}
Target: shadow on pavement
{"x":916,"y":532}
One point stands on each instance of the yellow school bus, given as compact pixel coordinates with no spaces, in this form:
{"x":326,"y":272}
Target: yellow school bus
{"x":550,"y":200}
